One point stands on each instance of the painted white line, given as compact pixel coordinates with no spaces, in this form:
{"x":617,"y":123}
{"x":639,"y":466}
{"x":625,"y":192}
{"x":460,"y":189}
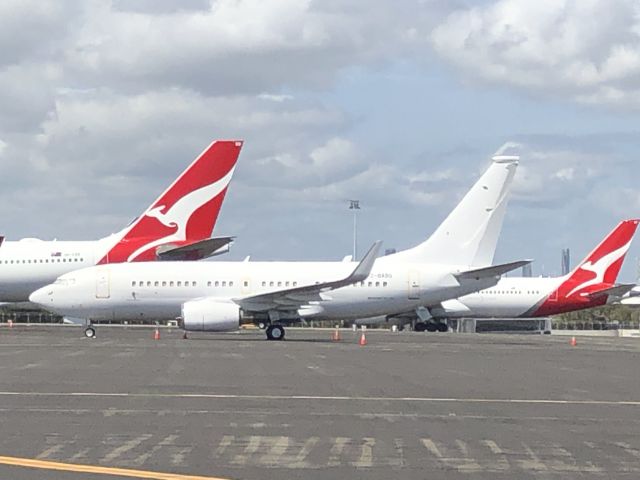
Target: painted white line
{"x":223,"y":396}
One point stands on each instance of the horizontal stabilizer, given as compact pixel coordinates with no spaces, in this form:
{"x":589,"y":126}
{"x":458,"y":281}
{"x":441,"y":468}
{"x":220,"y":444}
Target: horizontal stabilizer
{"x":615,"y":291}
{"x":294,"y":298}
{"x":492,"y":271}
{"x":1,"y":240}
{"x":196,"y":250}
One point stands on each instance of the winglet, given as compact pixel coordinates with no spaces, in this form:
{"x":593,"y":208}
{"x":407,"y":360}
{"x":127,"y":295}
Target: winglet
{"x":363,"y":269}
{"x":492,"y":271}
{"x":1,"y":240}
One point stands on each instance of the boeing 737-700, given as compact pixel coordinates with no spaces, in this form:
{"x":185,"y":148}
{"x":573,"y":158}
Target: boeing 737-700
{"x":218,"y":296}
{"x":177,"y":226}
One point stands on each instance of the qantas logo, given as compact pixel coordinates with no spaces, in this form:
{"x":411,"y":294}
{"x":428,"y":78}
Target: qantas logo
{"x":179,"y":214}
{"x":600,"y":267}
{"x":186,"y":212}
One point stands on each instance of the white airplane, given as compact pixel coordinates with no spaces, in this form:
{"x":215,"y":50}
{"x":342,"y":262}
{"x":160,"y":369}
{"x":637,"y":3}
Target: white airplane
{"x":591,"y":284}
{"x":177,"y":226}
{"x":220,"y":296}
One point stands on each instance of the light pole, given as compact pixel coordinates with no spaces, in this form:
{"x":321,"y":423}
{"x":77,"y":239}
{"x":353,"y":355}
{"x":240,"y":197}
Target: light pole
{"x":355,"y":206}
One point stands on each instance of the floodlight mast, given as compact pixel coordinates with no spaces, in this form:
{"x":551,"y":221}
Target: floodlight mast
{"x":355,"y":206}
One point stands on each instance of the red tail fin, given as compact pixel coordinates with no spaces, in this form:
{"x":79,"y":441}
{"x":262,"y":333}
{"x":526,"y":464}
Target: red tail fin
{"x":187,"y":211}
{"x":598,"y":271}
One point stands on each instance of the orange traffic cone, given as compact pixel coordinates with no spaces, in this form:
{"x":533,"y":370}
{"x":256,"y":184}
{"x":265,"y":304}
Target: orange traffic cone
{"x":184,"y":335}
{"x":156,"y":334}
{"x":363,"y":340}
{"x":573,"y":342}
{"x":335,"y":336}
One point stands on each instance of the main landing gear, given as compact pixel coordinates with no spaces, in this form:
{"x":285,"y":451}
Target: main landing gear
{"x":275,"y":332}
{"x":90,"y":332}
{"x":430,"y":327}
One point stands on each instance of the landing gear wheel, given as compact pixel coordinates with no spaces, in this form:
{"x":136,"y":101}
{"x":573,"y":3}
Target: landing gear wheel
{"x":275,"y":332}
{"x":420,"y":327}
{"x":90,"y":332}
{"x":443,"y":327}
{"x":431,"y":327}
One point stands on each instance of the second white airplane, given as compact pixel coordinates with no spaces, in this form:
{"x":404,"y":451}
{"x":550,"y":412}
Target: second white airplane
{"x":220,"y":296}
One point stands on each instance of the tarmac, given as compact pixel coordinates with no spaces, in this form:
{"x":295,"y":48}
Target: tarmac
{"x":235,"y":406}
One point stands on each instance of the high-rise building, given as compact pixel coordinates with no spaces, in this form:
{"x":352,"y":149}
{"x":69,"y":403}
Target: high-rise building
{"x":566,"y":261}
{"x":526,"y":270}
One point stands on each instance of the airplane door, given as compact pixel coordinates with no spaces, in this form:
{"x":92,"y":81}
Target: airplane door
{"x":102,"y":283}
{"x":414,"y":285}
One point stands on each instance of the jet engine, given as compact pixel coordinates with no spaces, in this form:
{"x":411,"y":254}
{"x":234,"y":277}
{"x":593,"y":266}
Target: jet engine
{"x":210,"y":315}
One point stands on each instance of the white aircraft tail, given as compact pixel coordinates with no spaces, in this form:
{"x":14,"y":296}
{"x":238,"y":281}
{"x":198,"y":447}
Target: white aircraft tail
{"x":469,"y":235}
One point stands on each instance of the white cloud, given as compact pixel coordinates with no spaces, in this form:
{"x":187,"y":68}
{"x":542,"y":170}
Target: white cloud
{"x":588,"y":50}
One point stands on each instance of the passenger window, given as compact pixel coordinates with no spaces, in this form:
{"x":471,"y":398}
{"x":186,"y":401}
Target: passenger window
{"x":164,"y":284}
{"x":369,"y":284}
{"x":384,"y":284}
{"x":295,"y":284}
{"x":286,"y":284}
{"x":264,"y":284}
{"x":171,"y":283}
{"x":224,"y":283}
{"x":180,"y":283}
{"x":271,"y":284}
{"x":148,"y":284}
{"x":208,"y":283}
{"x":377,"y":284}
{"x":194,"y":284}
{"x":156,"y":283}
{"x":246,"y":284}
{"x":217,"y":283}
{"x":279,"y":284}
{"x":133,"y":284}
{"x":231,"y":284}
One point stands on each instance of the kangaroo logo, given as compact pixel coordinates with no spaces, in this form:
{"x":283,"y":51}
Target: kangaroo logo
{"x":178,"y":215}
{"x":600,"y":267}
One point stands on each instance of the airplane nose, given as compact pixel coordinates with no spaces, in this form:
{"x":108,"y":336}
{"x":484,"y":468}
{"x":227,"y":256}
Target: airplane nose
{"x":43,"y":296}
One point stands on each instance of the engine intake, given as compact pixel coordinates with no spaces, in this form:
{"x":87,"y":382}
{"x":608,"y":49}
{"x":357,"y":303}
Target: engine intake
{"x":210,"y":315}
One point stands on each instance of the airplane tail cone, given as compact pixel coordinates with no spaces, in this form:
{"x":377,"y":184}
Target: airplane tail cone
{"x":156,"y":334}
{"x":573,"y":342}
{"x":363,"y":340}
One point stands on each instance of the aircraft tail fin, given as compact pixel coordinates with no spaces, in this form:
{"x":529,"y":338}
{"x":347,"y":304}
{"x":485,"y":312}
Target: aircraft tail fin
{"x":469,"y":235}
{"x":186,"y":212}
{"x":602,"y":266}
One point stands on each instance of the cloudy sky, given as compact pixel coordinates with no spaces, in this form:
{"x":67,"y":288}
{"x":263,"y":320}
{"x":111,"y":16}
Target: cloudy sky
{"x":397,"y":103}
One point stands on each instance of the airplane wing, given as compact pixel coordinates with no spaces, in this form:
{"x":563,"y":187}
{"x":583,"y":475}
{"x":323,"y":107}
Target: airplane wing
{"x":491,"y":271}
{"x":294,"y":298}
{"x":196,"y":250}
{"x":615,"y":291}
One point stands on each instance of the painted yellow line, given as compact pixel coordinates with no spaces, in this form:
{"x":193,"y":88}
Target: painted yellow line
{"x":77,"y":468}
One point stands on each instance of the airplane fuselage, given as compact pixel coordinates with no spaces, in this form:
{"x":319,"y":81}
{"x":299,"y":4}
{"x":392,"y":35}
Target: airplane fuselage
{"x":29,"y":264}
{"x":158,"y":291}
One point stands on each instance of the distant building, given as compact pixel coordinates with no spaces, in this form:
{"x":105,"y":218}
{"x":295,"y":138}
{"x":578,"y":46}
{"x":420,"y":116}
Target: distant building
{"x":389,"y":251}
{"x":526,"y":270}
{"x":566,"y":261}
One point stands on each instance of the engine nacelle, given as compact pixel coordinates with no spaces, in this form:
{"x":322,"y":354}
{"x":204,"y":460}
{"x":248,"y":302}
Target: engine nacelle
{"x":210,"y":315}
